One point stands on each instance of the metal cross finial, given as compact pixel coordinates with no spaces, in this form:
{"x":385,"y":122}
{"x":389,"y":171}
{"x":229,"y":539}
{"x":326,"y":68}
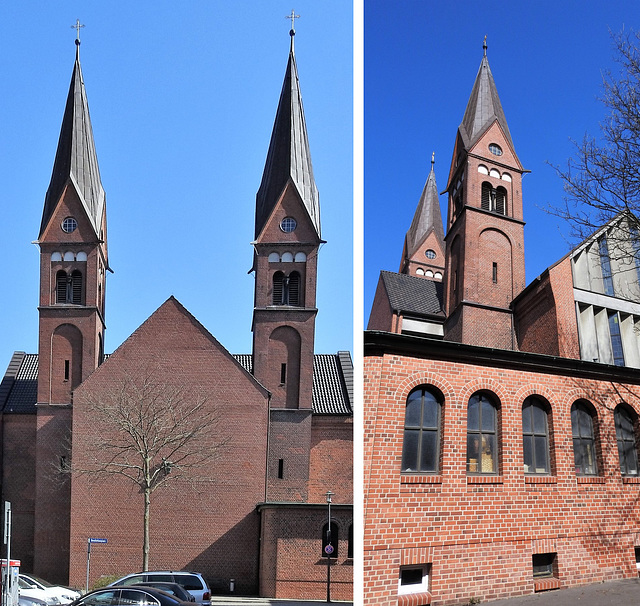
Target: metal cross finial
{"x":433,"y":159}
{"x":484,"y":45}
{"x":293,"y":18}
{"x":77,"y":27}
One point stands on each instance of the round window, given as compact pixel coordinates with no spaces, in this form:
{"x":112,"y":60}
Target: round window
{"x":495,"y":149}
{"x":288,"y":224}
{"x":430,"y":254}
{"x":69,"y":225}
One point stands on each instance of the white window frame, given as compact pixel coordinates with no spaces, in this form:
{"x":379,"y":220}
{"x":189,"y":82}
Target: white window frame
{"x":417,"y":587}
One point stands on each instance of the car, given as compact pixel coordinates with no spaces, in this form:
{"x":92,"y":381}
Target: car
{"x":24,"y":600}
{"x":173,"y":588}
{"x":65,"y":595}
{"x":128,"y":596}
{"x":29,"y":591}
{"x":191,"y":581}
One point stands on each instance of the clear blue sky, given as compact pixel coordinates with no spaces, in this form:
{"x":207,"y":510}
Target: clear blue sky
{"x":421,"y":60}
{"x":182,"y":99}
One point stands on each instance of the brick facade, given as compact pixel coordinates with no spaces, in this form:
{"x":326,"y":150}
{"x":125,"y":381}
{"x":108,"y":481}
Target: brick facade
{"x":478,"y":532}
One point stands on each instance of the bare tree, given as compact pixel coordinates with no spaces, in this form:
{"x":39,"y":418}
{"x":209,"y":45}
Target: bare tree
{"x":603,"y":178}
{"x":151,"y":433}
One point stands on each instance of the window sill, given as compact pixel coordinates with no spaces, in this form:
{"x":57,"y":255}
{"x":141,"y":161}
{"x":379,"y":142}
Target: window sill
{"x":540,"y":480}
{"x":484,"y":480}
{"x":630,"y":480}
{"x":545,"y":584}
{"x":590,"y":480}
{"x":414,"y":599}
{"x":421,"y":479}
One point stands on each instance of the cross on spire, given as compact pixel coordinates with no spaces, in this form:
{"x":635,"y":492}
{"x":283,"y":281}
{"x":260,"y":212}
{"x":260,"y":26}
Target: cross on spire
{"x":293,"y":18}
{"x":77,"y":27}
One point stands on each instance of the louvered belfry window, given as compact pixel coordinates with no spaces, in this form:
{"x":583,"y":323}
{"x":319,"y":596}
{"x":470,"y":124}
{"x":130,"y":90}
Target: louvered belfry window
{"x":486,"y":196}
{"x":294,"y":289}
{"x":61,"y":287}
{"x":76,"y":287}
{"x":278,"y":282}
{"x":494,"y":200}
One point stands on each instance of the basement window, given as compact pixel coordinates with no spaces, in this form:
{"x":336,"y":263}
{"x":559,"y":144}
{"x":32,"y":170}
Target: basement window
{"x":543,"y":564}
{"x":414,"y":579}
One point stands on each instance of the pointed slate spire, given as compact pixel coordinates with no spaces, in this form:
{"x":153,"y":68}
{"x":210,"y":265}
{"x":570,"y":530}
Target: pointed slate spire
{"x":427,"y":216}
{"x":484,"y":107}
{"x":288,"y":157}
{"x":76,"y":159}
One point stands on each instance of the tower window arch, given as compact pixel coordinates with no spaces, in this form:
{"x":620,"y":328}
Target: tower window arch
{"x":293,"y":289}
{"x":278,"y":283}
{"x":76,"y":287}
{"x":61,"y":286}
{"x":493,"y":199}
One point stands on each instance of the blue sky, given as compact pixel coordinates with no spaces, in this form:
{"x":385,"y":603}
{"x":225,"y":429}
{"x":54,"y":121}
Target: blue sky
{"x":421,"y":60}
{"x":182,"y":99}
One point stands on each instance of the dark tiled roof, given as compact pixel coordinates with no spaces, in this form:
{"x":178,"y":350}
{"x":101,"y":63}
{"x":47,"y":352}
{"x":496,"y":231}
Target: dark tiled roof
{"x":332,"y":383}
{"x":413,"y":296}
{"x":19,"y":387}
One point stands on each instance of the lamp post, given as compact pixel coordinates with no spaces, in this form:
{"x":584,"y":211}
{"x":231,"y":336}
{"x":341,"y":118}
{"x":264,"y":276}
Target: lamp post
{"x":329,"y":547}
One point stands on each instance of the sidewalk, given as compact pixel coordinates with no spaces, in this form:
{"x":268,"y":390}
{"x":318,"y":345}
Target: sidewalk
{"x":620,"y":593}
{"x":240,"y":601}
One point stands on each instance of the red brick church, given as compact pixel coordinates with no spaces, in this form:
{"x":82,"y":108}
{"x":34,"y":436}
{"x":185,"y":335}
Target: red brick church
{"x":254,"y":520}
{"x":501,"y":420}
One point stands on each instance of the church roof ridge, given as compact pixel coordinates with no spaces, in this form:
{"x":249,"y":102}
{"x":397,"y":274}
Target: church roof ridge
{"x":289,"y":156}
{"x":76,"y":160}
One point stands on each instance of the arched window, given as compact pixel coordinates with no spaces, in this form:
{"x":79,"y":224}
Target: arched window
{"x":626,"y":438}
{"x":330,"y":536}
{"x":482,"y":435}
{"x":61,"y":287}
{"x":76,"y":287}
{"x":584,"y":442}
{"x":493,"y":200}
{"x":293,"y":289}
{"x":278,"y":282}
{"x":421,"y":442}
{"x":535,"y":435}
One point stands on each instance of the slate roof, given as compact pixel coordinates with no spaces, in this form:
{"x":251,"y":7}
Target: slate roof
{"x":483,"y":108}
{"x":76,"y":160}
{"x":427,"y":216}
{"x":332,"y":383}
{"x":413,"y":296}
{"x":288,"y":157}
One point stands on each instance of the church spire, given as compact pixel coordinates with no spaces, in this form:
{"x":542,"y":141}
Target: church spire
{"x":76,"y":161}
{"x":484,"y":107}
{"x":288,"y":157}
{"x":427,"y":217}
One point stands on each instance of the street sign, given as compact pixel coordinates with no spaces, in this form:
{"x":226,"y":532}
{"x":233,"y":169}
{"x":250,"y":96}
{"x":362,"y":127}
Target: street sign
{"x":328,"y":549}
{"x":97,"y":540}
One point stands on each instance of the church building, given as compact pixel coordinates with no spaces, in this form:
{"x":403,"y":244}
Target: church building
{"x":273,"y":428}
{"x":501,"y":421}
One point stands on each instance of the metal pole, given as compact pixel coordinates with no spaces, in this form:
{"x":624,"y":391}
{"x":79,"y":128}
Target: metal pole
{"x":6,"y":589}
{"x":88,"y":562}
{"x":328,"y":551}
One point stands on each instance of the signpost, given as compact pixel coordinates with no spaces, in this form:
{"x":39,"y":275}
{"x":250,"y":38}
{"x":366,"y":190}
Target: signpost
{"x":6,"y":588}
{"x":90,"y":542}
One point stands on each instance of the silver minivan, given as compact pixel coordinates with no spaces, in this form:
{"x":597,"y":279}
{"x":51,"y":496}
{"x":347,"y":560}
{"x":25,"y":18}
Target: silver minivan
{"x":191,"y":581}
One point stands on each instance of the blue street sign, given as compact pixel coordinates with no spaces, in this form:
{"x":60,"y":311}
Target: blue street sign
{"x":97,"y":540}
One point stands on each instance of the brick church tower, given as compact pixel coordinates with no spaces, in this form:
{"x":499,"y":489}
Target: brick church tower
{"x":73,"y":266}
{"x":287,"y":239}
{"x":485,"y":227}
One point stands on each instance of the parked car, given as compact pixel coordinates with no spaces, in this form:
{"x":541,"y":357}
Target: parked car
{"x":173,"y":588}
{"x":191,"y":581}
{"x":29,"y":591}
{"x":129,"y":596}
{"x":65,"y":595}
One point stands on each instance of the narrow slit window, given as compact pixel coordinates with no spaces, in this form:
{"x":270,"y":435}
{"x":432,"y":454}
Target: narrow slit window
{"x":67,"y":368}
{"x":283,"y":373}
{"x":280,"y":469}
{"x":495,"y":273}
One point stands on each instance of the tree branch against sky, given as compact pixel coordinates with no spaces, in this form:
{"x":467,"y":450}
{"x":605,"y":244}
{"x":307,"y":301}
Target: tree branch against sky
{"x":152,"y":434}
{"x":603,"y":177}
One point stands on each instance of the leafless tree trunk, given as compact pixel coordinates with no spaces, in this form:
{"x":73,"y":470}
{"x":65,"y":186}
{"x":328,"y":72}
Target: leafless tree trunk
{"x":151,"y":433}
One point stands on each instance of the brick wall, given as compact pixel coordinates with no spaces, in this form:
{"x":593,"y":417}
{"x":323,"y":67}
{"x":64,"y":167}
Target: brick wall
{"x":481,"y":531}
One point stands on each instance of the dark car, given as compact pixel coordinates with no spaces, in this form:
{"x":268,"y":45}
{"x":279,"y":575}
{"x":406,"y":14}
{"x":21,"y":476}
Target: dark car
{"x":129,"y":596}
{"x":173,"y":588}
